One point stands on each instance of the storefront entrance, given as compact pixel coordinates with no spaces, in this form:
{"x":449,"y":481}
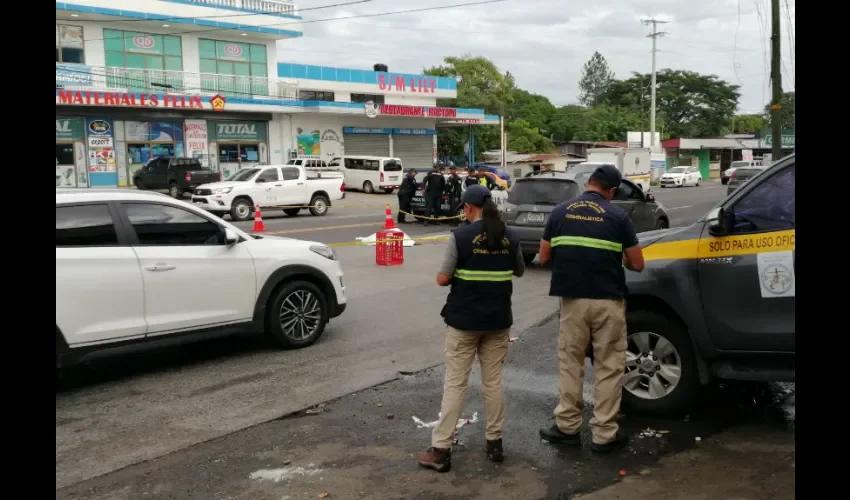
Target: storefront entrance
{"x":361,"y":141}
{"x":414,"y":147}
{"x":238,"y":145}
{"x":147,"y":140}
{"x":70,"y":152}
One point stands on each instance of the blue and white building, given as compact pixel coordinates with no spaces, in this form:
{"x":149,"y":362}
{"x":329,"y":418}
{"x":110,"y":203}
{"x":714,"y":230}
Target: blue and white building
{"x":201,"y":78}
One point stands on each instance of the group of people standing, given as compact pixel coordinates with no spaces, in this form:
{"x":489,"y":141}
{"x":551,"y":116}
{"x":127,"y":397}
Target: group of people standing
{"x":436,"y":185}
{"x":589,"y":243}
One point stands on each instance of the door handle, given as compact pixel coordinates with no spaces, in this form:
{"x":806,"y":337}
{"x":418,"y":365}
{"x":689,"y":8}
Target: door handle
{"x":160,"y":267}
{"x":278,"y":185}
{"x":300,"y":183}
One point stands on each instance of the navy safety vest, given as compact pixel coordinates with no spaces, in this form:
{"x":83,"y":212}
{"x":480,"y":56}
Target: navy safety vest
{"x":588,"y":235}
{"x":480,"y":296}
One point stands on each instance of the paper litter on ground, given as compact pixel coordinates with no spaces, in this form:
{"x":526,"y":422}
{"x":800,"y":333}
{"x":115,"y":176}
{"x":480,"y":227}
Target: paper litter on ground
{"x":372,"y":240}
{"x":460,"y":422}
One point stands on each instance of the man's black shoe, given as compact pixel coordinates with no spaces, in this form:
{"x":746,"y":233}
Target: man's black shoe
{"x":555,"y":436}
{"x":620,"y":440}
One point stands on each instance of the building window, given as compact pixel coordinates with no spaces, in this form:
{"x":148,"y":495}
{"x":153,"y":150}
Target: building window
{"x":314,"y":95}
{"x":152,"y":62}
{"x":236,"y":68}
{"x":69,"y":44}
{"x":377,"y":99}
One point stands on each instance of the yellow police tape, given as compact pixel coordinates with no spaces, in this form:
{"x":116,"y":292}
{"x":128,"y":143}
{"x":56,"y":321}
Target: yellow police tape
{"x":369,"y":243}
{"x":395,"y":208}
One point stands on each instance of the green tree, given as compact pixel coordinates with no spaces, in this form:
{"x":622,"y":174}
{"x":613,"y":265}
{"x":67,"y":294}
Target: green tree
{"x":537,"y":110}
{"x":786,"y":112}
{"x":692,"y":105}
{"x":607,"y":123}
{"x":747,"y":124}
{"x":524,"y":138}
{"x":596,"y":77}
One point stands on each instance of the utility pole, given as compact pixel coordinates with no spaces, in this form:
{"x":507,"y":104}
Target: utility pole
{"x":654,"y":35}
{"x":775,"y":81}
{"x":502,"y":142}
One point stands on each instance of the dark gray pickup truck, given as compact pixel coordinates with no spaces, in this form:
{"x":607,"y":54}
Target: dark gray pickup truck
{"x":177,"y":175}
{"x":716,"y":299}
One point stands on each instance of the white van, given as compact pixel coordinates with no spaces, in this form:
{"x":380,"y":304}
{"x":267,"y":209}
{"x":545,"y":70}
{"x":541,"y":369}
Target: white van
{"x":370,"y":173}
{"x":307,"y":162}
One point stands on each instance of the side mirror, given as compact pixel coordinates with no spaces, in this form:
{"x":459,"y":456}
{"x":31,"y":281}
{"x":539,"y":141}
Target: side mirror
{"x":260,"y":180}
{"x":716,"y":222}
{"x":230,"y":236}
{"x":649,"y":197}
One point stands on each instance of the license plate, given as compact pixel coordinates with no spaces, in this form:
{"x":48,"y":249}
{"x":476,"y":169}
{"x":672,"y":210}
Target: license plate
{"x":533,"y":217}
{"x":394,"y":178}
{"x":418,"y":199}
{"x":199,"y":203}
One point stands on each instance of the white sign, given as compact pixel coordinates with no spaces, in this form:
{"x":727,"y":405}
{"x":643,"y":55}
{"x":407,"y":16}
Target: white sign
{"x":196,"y":140}
{"x":747,"y":154}
{"x":776,"y":274}
{"x":371,"y":109}
{"x":100,"y":142}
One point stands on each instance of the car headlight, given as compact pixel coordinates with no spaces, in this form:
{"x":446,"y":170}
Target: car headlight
{"x":324,"y":250}
{"x":223,"y":190}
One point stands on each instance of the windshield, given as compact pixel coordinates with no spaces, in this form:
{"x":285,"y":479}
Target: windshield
{"x":678,"y":170}
{"x":738,"y":164}
{"x":293,"y":162}
{"x":746,"y":173}
{"x":392,"y":166}
{"x":542,"y":192}
{"x":244,"y":174}
{"x":582,"y":168}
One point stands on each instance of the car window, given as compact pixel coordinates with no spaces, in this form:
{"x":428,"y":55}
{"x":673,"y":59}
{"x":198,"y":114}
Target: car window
{"x":392,"y":166}
{"x":371,"y":165}
{"x":334,"y":162}
{"x":160,"y":165}
{"x":166,"y":225}
{"x":269,"y":175}
{"x":626,"y":192}
{"x":678,"y":170}
{"x":292,"y":162}
{"x":85,"y":226}
{"x":354,"y":164}
{"x":290,"y":173}
{"x":244,"y":174}
{"x":770,"y":206}
{"x":542,"y":192}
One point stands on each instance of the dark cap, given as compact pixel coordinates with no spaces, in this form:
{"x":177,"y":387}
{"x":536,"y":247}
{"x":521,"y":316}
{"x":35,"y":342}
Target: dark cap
{"x":609,"y":174}
{"x":470,"y":169}
{"x":412,"y":171}
{"x":476,"y":194}
{"x":483,"y":169}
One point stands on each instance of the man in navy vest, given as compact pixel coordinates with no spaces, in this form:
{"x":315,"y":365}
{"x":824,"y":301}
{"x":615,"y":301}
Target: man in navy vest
{"x":480,"y":260}
{"x":590,"y":242}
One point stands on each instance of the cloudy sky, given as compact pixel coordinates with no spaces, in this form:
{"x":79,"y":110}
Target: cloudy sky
{"x":545,"y":43}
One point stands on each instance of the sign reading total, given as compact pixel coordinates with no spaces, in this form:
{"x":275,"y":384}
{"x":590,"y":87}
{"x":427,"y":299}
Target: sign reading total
{"x":399,"y":83}
{"x":89,"y":98}
{"x":399,"y":110}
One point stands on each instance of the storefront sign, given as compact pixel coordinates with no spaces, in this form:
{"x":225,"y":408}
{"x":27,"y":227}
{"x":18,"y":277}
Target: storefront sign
{"x":467,"y":121}
{"x":101,"y":152}
{"x":217,"y":102}
{"x":69,"y":128}
{"x":363,"y":130}
{"x":787,"y":140}
{"x":142,"y":43}
{"x":423,"y":111}
{"x":196,"y":140}
{"x":371,"y":109}
{"x":73,"y":74}
{"x":414,"y":131}
{"x":123,"y":99}
{"x":399,"y":83}
{"x":240,"y":131}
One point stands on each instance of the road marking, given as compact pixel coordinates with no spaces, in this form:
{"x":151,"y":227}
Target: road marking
{"x":677,"y":208}
{"x":325,"y":228}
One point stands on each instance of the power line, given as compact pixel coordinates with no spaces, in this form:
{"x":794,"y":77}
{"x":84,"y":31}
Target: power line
{"x":357,"y":16}
{"x":265,"y":13}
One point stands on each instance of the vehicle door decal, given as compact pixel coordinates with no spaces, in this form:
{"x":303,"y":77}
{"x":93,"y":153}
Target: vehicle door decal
{"x":724,"y":246}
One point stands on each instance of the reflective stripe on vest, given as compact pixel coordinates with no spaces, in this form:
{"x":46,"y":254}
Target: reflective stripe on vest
{"x":468,"y":275}
{"x":580,"y":241}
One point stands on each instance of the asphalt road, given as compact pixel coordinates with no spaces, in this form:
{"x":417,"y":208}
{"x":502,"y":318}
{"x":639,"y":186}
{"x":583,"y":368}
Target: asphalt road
{"x":738,"y":443}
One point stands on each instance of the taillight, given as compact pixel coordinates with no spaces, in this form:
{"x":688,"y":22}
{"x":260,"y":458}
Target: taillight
{"x":382,"y":177}
{"x":188,"y":176}
{"x":342,"y":187}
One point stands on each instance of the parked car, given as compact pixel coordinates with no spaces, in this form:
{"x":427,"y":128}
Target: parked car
{"x":418,"y":205}
{"x":134,"y":267}
{"x":272,"y":186}
{"x":741,"y":176}
{"x":532,"y":199}
{"x":726,"y":174}
{"x":716,"y":299}
{"x":370,"y":173}
{"x":177,"y":175}
{"x":681,"y":177}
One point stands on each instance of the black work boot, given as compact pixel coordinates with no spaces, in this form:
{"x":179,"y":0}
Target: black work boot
{"x":555,"y":436}
{"x":619,"y":441}
{"x":494,"y":451}
{"x":436,"y":458}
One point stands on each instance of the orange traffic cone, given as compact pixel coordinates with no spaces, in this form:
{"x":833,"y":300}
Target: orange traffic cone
{"x":389,"y":223}
{"x":259,"y":227}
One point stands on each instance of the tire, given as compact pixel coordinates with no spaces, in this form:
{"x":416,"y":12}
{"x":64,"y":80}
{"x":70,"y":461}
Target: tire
{"x":140,"y":184}
{"x":220,"y":214}
{"x":528,"y":258}
{"x":174,"y":191}
{"x":646,"y":329}
{"x":461,"y":215}
{"x":241,"y":209}
{"x":292,"y":212}
{"x":287,"y":301}
{"x":319,"y":205}
{"x":724,"y":181}
{"x":368,"y":188}
{"x":388,"y":190}
{"x":662,"y":223}
{"x":698,"y":181}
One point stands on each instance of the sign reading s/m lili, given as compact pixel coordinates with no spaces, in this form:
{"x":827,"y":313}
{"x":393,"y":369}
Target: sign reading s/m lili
{"x":399,"y":83}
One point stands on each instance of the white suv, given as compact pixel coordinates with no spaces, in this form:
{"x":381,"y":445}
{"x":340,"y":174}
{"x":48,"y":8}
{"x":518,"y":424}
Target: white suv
{"x":135,"y":266}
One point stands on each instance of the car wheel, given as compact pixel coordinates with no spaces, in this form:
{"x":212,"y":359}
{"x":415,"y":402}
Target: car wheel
{"x":724,"y":181}
{"x":140,"y":184}
{"x":368,"y":188}
{"x":461,"y":215}
{"x":661,"y":373}
{"x":220,"y":214}
{"x":292,"y":212}
{"x":698,"y":181}
{"x":174,"y":191}
{"x":528,"y":258}
{"x":241,"y":210}
{"x":297,"y":314}
{"x":319,"y":205}
{"x":662,"y":223}
{"x":388,"y":190}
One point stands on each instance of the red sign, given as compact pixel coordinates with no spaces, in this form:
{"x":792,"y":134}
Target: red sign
{"x":143,"y":41}
{"x":233,"y":50}
{"x":218,"y":102}
{"x":410,"y":84}
{"x":90,"y":98}
{"x":424,"y":111}
{"x":467,"y":120}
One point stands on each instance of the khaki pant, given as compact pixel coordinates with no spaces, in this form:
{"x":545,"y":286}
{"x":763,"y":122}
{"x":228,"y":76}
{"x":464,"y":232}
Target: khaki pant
{"x":461,"y":348}
{"x":601,"y":323}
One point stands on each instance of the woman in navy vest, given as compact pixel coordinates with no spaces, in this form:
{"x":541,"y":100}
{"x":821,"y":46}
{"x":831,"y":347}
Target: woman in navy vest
{"x":481,"y":259}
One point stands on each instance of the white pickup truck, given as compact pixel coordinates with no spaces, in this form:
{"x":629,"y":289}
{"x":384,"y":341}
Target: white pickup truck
{"x":271,"y":186}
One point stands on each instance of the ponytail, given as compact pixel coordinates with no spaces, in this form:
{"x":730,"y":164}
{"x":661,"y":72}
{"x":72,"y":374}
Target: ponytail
{"x":494,"y":226}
